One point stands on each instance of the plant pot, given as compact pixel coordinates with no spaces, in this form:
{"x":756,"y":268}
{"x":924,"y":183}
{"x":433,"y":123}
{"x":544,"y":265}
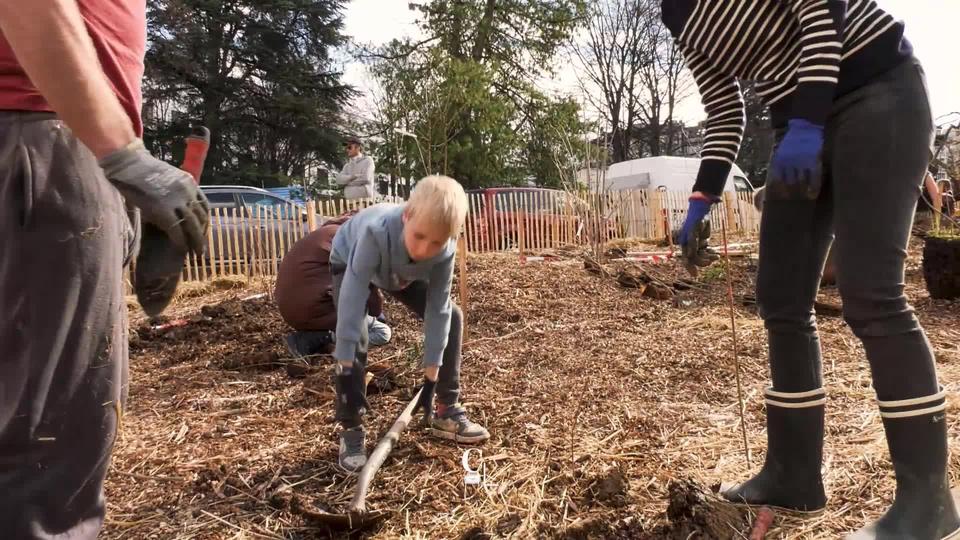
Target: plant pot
{"x":941,"y":266}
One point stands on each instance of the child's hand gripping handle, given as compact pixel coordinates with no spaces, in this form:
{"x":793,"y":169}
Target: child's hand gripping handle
{"x":426,"y":400}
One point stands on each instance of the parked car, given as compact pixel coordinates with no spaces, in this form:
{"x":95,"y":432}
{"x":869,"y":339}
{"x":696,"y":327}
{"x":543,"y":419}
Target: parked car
{"x":279,"y":218}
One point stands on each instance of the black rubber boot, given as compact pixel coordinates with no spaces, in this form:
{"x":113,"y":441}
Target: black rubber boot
{"x":923,"y":508}
{"x":790,"y":478}
{"x":309,"y":343}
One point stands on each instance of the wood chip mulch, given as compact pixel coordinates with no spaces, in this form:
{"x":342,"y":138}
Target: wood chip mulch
{"x":612,"y":413}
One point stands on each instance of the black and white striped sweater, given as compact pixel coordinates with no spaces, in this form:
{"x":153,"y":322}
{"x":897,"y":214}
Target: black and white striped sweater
{"x":802,"y":54}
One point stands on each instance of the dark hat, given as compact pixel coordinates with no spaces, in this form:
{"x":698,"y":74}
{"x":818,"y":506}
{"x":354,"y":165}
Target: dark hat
{"x":353,"y":140}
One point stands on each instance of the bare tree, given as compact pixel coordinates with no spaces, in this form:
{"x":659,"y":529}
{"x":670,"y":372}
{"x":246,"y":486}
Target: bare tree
{"x":947,"y":153}
{"x":610,"y":60}
{"x":665,"y":83}
{"x":634,"y":75}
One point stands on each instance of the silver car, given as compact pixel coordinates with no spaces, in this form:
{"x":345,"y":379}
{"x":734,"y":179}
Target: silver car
{"x":249,"y":224}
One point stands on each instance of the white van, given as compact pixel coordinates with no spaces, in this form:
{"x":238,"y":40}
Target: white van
{"x":672,"y":173}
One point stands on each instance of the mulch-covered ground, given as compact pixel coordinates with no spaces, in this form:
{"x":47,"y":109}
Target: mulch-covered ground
{"x":605,"y":405}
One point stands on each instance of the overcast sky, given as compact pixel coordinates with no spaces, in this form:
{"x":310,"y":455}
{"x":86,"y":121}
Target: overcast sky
{"x":932,"y":26}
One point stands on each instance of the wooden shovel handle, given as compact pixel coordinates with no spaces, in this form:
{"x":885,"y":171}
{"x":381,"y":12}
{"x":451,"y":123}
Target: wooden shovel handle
{"x":379,"y":455}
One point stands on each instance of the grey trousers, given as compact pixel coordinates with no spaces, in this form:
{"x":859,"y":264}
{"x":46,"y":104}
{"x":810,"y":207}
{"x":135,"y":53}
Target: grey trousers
{"x":414,"y":297}
{"x":63,"y":329}
{"x":877,"y":147}
{"x":378,"y":333}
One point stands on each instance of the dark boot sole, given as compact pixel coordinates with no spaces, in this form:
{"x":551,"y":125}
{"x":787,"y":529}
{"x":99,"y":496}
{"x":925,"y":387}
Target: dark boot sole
{"x":157,"y":272}
{"x":293,"y":352}
{"x":805,"y":514}
{"x":955,"y":535}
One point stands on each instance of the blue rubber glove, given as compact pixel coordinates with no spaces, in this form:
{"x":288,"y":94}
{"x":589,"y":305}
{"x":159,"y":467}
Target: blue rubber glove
{"x":698,"y":209}
{"x":695,"y":235}
{"x":796,"y":171}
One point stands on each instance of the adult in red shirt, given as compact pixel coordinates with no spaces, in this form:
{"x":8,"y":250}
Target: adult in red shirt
{"x":72,"y":161}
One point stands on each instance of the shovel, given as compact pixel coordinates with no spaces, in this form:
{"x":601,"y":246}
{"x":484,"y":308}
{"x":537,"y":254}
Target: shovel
{"x":357,"y":517}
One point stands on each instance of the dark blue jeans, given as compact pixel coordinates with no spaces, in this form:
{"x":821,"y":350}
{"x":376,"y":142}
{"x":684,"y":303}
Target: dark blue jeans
{"x":877,"y":147}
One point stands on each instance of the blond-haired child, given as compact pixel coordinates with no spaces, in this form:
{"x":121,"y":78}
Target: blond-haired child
{"x":408,"y":252}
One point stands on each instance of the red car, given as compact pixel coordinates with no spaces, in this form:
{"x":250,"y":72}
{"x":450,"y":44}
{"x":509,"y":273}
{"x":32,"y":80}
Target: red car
{"x":547,"y":218}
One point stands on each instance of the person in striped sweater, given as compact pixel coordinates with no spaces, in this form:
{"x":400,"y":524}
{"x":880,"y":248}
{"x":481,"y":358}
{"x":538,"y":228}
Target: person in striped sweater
{"x":854,"y":128}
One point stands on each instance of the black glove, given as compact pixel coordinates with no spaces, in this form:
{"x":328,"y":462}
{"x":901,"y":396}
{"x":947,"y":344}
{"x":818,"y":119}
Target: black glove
{"x":425,"y":402}
{"x":351,"y":390}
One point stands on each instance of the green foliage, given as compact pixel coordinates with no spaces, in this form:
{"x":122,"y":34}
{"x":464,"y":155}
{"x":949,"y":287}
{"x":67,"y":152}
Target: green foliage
{"x":258,"y":73}
{"x":714,"y":272}
{"x":467,"y":94}
{"x":553,"y":149}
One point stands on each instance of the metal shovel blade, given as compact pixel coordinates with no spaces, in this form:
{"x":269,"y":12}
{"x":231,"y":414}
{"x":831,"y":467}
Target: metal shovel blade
{"x":349,"y":521}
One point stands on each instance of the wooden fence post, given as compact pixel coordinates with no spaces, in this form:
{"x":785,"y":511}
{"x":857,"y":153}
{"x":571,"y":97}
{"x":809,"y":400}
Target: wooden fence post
{"x":462,"y":260}
{"x":234,"y":242}
{"x":522,"y":217}
{"x":213,"y":261}
{"x":731,"y":215}
{"x":655,"y":220}
{"x":661,"y":222}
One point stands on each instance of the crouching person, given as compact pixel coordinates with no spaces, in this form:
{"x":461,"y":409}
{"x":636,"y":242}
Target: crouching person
{"x":407,"y":251}
{"x":304,"y":295}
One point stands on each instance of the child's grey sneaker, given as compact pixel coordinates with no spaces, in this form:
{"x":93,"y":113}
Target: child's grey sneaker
{"x":353,"y":455}
{"x":459,"y":428}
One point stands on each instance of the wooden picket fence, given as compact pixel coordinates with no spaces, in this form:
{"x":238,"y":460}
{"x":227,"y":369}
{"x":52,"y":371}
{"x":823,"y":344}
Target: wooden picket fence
{"x":252,"y":241}
{"x":537,"y":220}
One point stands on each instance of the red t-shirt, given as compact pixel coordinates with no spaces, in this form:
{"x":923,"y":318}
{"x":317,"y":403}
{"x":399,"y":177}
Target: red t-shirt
{"x":118,"y":29}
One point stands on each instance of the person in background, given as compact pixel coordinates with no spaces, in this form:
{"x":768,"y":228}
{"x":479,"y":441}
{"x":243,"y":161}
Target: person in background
{"x":854,"y":137}
{"x":304,"y":295}
{"x":357,"y":174}
{"x":73,"y":162}
{"x":949,"y":200}
{"x":929,"y":207}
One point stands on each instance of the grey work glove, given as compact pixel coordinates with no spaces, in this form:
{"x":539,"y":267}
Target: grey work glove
{"x":167,"y":197}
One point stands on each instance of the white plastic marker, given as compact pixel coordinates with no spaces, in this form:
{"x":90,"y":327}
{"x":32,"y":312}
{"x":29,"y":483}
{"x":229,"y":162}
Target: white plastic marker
{"x":472,"y":476}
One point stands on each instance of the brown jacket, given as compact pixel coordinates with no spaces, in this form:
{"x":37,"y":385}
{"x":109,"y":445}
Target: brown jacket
{"x":304,"y":290}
